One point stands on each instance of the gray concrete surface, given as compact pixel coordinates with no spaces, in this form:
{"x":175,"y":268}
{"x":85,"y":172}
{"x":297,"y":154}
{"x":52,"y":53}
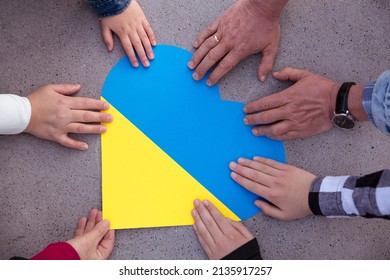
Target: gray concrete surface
{"x":45,"y":187}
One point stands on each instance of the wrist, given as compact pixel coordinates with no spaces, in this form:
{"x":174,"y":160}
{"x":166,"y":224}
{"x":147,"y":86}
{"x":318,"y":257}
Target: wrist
{"x":334,"y":89}
{"x":269,"y":8}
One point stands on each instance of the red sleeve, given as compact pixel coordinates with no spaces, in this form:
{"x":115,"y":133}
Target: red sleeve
{"x":57,"y":251}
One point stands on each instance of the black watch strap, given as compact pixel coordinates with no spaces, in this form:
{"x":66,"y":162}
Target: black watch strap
{"x":342,"y":98}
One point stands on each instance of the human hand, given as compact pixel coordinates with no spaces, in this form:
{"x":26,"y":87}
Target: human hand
{"x":304,"y":109}
{"x":217,"y":234}
{"x":247,"y":27}
{"x":93,"y":239}
{"x":134,"y":31}
{"x":55,"y":114}
{"x":285,"y":186}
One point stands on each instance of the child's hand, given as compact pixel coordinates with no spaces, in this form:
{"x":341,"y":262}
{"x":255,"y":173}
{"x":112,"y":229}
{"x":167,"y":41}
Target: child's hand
{"x":134,"y":31}
{"x":285,"y":186}
{"x":54,"y":114}
{"x":218,"y":235}
{"x":93,"y":239}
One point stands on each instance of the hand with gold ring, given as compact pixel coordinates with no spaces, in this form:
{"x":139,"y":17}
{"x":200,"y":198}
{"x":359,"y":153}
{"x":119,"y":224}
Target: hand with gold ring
{"x":247,"y":27}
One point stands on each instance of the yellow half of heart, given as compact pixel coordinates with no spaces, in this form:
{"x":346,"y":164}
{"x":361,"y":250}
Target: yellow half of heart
{"x":142,"y":186}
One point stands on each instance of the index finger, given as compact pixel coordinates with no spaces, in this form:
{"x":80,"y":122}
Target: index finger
{"x":83,"y":103}
{"x":208,"y":221}
{"x":266,"y":103}
{"x":220,"y":219}
{"x":207,"y":32}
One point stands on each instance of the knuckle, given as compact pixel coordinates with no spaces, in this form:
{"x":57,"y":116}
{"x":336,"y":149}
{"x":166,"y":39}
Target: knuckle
{"x":210,"y":28}
{"x":213,"y":55}
{"x":226,"y":65}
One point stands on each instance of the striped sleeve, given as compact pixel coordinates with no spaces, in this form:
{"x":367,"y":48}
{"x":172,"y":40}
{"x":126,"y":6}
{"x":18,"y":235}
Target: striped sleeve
{"x":367,"y":196}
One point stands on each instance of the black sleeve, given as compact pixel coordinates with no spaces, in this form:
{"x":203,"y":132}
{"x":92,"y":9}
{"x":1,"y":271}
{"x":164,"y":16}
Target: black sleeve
{"x":248,"y":251}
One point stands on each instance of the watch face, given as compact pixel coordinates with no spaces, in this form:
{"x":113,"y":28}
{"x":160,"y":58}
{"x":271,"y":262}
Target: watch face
{"x":344,"y":121}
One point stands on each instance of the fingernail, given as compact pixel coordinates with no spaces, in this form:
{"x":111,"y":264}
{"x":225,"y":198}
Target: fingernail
{"x":245,"y":109}
{"x":84,"y":147}
{"x":256,"y":158}
{"x":257,"y":203}
{"x":254,"y":131}
{"x":196,"y":44}
{"x":209,"y":83}
{"x":245,"y":121}
{"x":103,"y":129}
{"x":262,"y":78}
{"x":106,"y":223}
{"x":232,"y":165}
{"x":241,"y":160}
{"x":195,"y":76}
{"x":151,"y":56}
{"x":154,"y":43}
{"x":106,"y":106}
{"x":196,"y":202}
{"x":193,"y":212}
{"x":190,"y":65}
{"x":233,"y":175}
{"x":206,"y":202}
{"x":109,"y":119}
{"x":276,"y":73}
{"x":147,"y":63}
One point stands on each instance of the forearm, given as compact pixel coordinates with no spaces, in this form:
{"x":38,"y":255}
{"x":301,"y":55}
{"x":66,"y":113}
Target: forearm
{"x":269,"y":8}
{"x":366,"y":196}
{"x":15,"y":113}
{"x":106,"y":8}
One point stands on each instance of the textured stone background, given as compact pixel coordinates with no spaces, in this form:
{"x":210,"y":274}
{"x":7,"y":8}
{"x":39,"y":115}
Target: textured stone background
{"x":45,"y":187}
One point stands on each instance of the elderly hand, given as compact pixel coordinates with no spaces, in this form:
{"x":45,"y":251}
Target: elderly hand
{"x":247,"y":27}
{"x":304,"y":109}
{"x":54,"y":115}
{"x":217,"y":234}
{"x":285,"y":186}
{"x":134,"y":31}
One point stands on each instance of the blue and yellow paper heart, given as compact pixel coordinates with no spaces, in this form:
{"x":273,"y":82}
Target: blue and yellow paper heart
{"x":171,"y":141}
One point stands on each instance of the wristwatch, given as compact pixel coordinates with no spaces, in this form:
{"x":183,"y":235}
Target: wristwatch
{"x":342,"y":116}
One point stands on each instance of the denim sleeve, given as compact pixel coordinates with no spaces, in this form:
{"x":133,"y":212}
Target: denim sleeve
{"x":376,"y":102}
{"x":106,"y":8}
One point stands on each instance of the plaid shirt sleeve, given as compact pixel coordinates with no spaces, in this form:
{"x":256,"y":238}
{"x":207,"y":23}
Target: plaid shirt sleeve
{"x":367,"y":196}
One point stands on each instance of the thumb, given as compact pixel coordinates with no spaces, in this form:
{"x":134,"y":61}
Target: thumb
{"x":107,"y":37}
{"x":66,"y":89}
{"x":290,"y":73}
{"x":98,"y":232}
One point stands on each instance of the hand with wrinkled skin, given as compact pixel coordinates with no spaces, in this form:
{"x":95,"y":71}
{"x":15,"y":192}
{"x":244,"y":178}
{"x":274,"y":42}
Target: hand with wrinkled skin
{"x":134,"y":32}
{"x":93,"y":239}
{"x":304,"y":109}
{"x":217,"y":234}
{"x":247,"y":27}
{"x":54,"y":114}
{"x":285,"y":186}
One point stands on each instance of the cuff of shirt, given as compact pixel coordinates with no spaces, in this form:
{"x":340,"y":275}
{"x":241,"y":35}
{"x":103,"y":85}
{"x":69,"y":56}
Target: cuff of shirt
{"x":57,"y":251}
{"x":107,"y":8}
{"x":367,"y":101}
{"x":326,"y":196}
{"x":15,"y":113}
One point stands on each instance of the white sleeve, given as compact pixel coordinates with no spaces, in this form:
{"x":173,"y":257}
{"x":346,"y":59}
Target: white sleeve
{"x":15,"y":113}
